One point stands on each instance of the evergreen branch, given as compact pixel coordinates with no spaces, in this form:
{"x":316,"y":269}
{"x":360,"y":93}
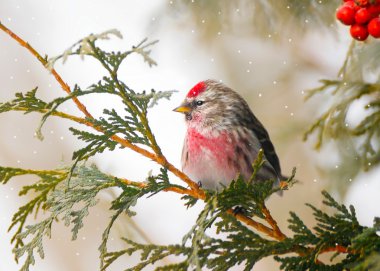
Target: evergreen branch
{"x":97,"y":53}
{"x":337,"y":248}
{"x":157,"y":157}
{"x":30,"y":103}
{"x":83,"y":46}
{"x":39,"y":230}
{"x":333,"y":124}
{"x":249,"y":247}
{"x":43,"y":60}
{"x":302,"y":234}
{"x":350,"y":87}
{"x":127,"y":126}
{"x":97,"y":144}
{"x":71,"y":205}
{"x":127,"y":199}
{"x":107,"y":258}
{"x":6,"y":173}
{"x":141,"y":49}
{"x":48,"y":181}
{"x":252,"y":223}
{"x":198,"y":232}
{"x":343,"y":70}
{"x":121,"y":204}
{"x":150,"y":254}
{"x":175,"y":189}
{"x":334,"y":233}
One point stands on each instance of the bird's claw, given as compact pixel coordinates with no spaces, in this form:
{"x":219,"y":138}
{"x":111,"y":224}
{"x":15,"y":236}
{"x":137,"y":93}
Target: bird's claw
{"x":239,"y":210}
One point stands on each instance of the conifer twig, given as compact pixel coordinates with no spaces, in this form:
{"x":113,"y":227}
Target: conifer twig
{"x":340,"y":249}
{"x":278,"y":234}
{"x":254,"y":224}
{"x":58,"y":114}
{"x":171,"y":189}
{"x":44,"y":62}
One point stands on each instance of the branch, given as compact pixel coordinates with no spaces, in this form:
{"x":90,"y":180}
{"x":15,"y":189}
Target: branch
{"x":278,"y":234}
{"x":57,"y":114}
{"x":271,"y":229}
{"x":160,"y":159}
{"x":194,"y":190}
{"x":340,"y":249}
{"x":254,"y":224}
{"x":44,"y":62}
{"x":178,"y":190}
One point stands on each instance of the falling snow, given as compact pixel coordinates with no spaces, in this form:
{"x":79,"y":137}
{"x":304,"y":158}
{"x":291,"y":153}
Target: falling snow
{"x":242,"y":70}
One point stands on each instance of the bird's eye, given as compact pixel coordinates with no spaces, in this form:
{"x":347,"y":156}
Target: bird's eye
{"x":199,"y":103}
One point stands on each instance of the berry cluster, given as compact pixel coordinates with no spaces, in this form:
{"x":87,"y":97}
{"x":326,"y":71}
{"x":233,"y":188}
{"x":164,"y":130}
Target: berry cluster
{"x":362,"y":16}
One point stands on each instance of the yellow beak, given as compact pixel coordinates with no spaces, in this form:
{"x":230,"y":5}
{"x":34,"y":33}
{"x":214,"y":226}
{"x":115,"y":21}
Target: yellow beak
{"x":182,"y":109}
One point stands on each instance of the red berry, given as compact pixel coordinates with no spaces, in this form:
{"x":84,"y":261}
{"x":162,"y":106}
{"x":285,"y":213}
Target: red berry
{"x":359,"y":32}
{"x":374,"y":27}
{"x":363,"y":16}
{"x":374,"y":10}
{"x":352,"y":4}
{"x":346,"y":15}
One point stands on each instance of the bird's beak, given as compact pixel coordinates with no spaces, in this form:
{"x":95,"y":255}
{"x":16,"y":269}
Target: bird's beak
{"x":183,"y":108}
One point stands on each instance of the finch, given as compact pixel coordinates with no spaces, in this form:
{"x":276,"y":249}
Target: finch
{"x":223,"y":138}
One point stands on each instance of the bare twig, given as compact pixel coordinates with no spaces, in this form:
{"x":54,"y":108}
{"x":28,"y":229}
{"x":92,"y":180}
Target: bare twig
{"x":278,"y":234}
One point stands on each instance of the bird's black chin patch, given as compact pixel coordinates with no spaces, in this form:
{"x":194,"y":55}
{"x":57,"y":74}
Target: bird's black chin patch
{"x":188,"y":116}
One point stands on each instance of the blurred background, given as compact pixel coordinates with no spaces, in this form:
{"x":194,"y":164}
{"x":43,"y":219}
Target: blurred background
{"x":271,"y":52}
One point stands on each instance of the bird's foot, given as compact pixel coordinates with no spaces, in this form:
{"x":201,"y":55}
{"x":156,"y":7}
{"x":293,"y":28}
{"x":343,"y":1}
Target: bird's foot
{"x":199,"y":183}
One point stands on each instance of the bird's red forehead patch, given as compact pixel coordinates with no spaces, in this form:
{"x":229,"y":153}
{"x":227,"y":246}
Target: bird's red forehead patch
{"x":196,"y":90}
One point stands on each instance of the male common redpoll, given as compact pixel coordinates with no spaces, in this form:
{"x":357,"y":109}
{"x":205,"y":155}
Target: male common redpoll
{"x":223,"y":137}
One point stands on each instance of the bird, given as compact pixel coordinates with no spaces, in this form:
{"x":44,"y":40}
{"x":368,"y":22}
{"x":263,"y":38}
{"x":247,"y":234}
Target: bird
{"x":223,"y":138}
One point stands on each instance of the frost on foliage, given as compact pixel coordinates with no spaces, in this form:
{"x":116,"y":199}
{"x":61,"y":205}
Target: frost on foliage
{"x":62,"y":198}
{"x":83,"y":46}
{"x":154,"y":96}
{"x":86,"y":47}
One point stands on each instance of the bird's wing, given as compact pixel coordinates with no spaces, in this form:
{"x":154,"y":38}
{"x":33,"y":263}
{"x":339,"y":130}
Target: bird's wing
{"x":266,"y":144}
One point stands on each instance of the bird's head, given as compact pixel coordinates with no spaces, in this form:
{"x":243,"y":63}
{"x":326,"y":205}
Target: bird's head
{"x":211,"y":104}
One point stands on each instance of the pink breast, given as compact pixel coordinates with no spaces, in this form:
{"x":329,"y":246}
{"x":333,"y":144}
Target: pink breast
{"x":210,"y":156}
{"x":219,"y":145}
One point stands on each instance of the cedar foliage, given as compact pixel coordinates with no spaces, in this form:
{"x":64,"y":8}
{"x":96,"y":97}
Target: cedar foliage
{"x":242,"y":238}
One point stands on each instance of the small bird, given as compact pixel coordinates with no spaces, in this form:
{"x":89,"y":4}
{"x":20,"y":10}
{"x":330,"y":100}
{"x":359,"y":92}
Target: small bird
{"x":223,"y":138}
